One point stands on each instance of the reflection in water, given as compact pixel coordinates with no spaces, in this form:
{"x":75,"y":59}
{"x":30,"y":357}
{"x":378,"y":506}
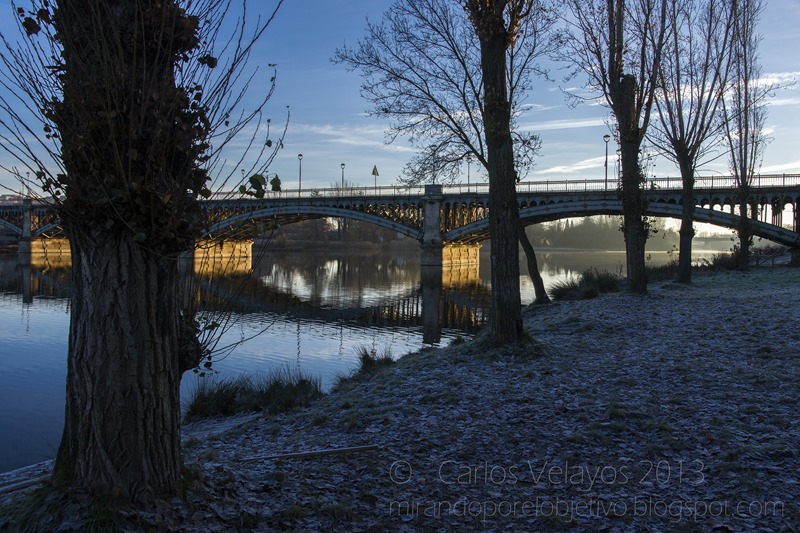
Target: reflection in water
{"x":305,"y":311}
{"x":366,"y":291}
{"x":302,"y":311}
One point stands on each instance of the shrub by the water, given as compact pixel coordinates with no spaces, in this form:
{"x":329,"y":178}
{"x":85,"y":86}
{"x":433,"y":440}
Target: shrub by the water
{"x":370,"y":360}
{"x":724,"y":261}
{"x":369,"y":363}
{"x":276,"y":392}
{"x":588,"y":285}
{"x":669,"y":271}
{"x":665,"y":272}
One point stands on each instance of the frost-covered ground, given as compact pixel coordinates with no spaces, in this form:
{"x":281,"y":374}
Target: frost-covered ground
{"x":671,"y":411}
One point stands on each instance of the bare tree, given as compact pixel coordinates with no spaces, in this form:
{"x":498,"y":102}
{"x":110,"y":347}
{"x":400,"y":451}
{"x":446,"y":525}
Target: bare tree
{"x":617,"y":44}
{"x":422,"y":68}
{"x":745,"y":115}
{"x":496,"y":23}
{"x":693,"y":78}
{"x":134,"y":100}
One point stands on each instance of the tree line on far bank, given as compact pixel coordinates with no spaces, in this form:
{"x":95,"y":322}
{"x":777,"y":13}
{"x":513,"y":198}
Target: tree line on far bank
{"x":597,"y":233}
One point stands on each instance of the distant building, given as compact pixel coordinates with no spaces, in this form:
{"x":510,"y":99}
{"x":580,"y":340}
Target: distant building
{"x":6,"y":199}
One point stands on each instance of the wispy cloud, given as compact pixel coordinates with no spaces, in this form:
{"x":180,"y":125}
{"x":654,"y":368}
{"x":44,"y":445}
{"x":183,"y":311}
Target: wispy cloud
{"x":574,"y":168}
{"x":371,"y":137}
{"x":775,"y":169}
{"x":564,"y":124}
{"x":780,"y":78}
{"x":778,"y":102}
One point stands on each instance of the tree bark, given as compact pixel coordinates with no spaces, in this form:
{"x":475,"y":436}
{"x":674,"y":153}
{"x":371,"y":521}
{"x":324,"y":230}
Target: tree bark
{"x":130,"y":142}
{"x":506,"y":320}
{"x":633,"y":202}
{"x":539,"y":290}
{"x":745,"y":230}
{"x":121,"y":428}
{"x":687,"y":224}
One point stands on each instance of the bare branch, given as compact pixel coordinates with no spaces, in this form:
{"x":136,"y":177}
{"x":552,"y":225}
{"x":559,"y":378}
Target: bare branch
{"x":421,"y":68}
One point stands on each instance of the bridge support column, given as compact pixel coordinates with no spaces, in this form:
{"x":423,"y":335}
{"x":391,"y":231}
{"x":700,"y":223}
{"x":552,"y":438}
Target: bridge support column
{"x":47,"y":253}
{"x":432,"y":227}
{"x":777,"y":213}
{"x":795,"y":257}
{"x":223,"y":258}
{"x":431,"y":255}
{"x":461,"y":254}
{"x":24,"y":248}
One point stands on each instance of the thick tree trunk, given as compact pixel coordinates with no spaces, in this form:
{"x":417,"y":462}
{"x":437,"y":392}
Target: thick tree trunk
{"x":635,"y":240}
{"x":634,"y":228}
{"x":685,"y":245}
{"x":533,"y":267}
{"x":745,"y":231}
{"x":121,"y":428}
{"x":633,"y":202}
{"x":506,"y":321}
{"x":687,"y":225}
{"x":131,"y":141}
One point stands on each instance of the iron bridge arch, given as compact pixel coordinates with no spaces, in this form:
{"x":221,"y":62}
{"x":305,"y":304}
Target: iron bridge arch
{"x":478,"y":231}
{"x":287,"y":215}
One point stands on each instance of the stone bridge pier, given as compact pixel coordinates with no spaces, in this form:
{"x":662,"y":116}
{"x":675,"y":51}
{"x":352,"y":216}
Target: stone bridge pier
{"x":435,"y":252}
{"x":432,"y":243}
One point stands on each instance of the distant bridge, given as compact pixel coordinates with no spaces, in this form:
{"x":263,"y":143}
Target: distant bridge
{"x":437,"y":216}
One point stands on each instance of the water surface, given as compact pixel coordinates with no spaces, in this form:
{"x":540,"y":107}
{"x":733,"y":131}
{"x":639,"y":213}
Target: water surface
{"x":308,"y":311}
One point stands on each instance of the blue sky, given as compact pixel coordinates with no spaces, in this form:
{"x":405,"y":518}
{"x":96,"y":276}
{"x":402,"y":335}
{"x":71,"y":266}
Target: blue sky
{"x":329,"y":126}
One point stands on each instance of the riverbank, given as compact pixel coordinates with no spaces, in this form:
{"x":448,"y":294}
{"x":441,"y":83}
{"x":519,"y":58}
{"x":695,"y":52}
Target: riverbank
{"x":670,"y":411}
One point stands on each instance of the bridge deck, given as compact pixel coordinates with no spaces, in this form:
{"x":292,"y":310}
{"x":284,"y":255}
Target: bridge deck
{"x":459,"y":213}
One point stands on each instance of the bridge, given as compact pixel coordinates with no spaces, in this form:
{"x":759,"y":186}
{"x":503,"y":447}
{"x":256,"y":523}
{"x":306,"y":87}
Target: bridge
{"x":450,"y":221}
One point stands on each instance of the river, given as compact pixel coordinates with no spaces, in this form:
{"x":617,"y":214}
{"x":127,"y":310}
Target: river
{"x":307,"y":312}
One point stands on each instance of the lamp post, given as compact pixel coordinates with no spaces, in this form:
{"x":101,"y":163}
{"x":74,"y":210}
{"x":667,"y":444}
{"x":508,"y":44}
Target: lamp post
{"x":606,"y":138}
{"x":342,"y":165}
{"x":300,"y":181}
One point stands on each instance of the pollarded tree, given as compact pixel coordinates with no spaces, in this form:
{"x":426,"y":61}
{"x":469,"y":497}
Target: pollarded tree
{"x":617,"y":44}
{"x":422,"y":69}
{"x":135,"y":104}
{"x":497,"y":22}
{"x":693,"y":78}
{"x":745,"y":115}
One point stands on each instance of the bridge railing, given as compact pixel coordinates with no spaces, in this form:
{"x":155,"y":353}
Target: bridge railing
{"x":712,"y":182}
{"x":315,"y":192}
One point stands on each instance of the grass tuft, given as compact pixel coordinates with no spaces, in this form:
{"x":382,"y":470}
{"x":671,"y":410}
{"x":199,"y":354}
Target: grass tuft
{"x":369,"y":363}
{"x":49,"y":508}
{"x":724,"y":261}
{"x":276,"y":392}
{"x":369,"y":360}
{"x":719,"y":261}
{"x":665,"y":272}
{"x":588,"y":285}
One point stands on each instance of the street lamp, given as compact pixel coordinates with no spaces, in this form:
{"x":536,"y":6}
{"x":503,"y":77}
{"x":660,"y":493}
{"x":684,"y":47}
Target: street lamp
{"x":342,"y":165}
{"x":606,"y":138}
{"x":300,"y":183}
